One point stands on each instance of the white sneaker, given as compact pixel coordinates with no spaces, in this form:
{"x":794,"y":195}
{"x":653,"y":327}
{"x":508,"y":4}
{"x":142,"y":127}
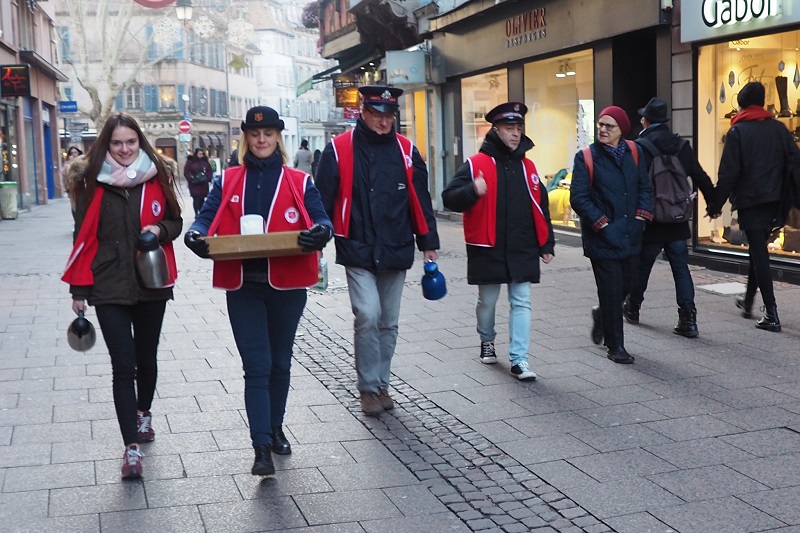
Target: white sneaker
{"x":523,"y":371}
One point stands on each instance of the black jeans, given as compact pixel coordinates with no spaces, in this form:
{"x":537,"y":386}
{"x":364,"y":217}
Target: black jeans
{"x":759,"y":276}
{"x":677,"y":253}
{"x":131,"y":333}
{"x":614,"y":278}
{"x":197,"y":203}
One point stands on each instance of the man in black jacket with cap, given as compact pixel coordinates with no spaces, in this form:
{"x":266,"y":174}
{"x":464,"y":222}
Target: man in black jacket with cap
{"x":670,"y":237}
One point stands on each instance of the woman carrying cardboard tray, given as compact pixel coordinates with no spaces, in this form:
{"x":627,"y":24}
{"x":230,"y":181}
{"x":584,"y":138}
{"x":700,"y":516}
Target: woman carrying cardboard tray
{"x":265,"y":296}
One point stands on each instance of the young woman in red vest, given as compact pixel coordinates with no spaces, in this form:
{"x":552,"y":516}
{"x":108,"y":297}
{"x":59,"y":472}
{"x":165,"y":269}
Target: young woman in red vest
{"x":123,"y":188}
{"x":265,"y":296}
{"x":507,"y":230}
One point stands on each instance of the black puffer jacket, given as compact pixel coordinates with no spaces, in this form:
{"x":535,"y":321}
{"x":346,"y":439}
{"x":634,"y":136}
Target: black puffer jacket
{"x":115,"y":278}
{"x":515,"y":256}
{"x":668,"y":143}
{"x":381,"y":237}
{"x":751,"y":166}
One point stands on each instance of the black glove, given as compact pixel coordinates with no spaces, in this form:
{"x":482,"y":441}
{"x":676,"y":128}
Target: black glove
{"x":194,"y":240}
{"x":315,"y":238}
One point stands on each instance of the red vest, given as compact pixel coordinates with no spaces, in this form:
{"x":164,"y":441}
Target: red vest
{"x":151,"y":211}
{"x":287,"y":213}
{"x":480,"y":220}
{"x":343,"y":148}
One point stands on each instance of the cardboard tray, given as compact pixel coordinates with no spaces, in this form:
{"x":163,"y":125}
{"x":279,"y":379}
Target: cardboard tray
{"x":276,"y":244}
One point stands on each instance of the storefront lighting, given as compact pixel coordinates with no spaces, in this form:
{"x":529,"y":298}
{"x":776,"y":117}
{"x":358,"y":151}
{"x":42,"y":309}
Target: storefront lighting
{"x":568,"y":69}
{"x":561,"y":73}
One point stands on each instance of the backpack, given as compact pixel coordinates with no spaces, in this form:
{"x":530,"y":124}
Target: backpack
{"x":673,"y":190}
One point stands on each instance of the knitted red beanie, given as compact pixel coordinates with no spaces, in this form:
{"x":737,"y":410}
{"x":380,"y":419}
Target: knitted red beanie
{"x":618,"y":114}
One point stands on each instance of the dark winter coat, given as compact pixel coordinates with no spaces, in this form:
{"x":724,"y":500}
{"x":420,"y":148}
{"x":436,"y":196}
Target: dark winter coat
{"x":114,"y":268}
{"x":668,"y":144}
{"x":515,"y":256}
{"x":615,"y":197}
{"x":381,"y":237}
{"x":194,"y":165}
{"x":751,"y":166}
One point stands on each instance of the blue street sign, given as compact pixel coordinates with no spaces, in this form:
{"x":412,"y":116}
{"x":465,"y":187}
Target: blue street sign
{"x":68,"y":106}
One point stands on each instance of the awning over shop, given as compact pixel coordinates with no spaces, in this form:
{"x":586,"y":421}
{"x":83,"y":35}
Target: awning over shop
{"x":345,"y":65}
{"x":217,"y":140}
{"x":165,"y":143}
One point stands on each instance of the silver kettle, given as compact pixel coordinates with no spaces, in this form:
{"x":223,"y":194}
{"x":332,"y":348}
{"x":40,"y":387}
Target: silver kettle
{"x":151,"y":261}
{"x":80,"y":334}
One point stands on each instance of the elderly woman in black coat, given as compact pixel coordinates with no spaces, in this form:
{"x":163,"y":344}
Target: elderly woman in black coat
{"x":612,"y":194}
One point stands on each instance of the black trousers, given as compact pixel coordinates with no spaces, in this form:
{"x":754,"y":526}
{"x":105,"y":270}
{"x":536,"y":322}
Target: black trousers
{"x":614,"y":278}
{"x":131,"y":333}
{"x":197,"y":203}
{"x":759,"y":276}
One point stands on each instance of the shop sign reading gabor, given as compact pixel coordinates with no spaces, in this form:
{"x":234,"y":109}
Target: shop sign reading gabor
{"x":526,"y":27}
{"x":708,"y":19}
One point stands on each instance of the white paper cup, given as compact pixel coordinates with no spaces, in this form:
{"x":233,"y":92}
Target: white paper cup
{"x":252,"y":225}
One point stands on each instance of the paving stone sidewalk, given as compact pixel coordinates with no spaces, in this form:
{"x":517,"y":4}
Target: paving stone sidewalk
{"x":699,"y":435}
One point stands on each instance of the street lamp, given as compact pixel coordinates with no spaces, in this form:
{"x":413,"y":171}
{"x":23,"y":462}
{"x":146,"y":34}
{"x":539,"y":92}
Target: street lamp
{"x":183,"y":10}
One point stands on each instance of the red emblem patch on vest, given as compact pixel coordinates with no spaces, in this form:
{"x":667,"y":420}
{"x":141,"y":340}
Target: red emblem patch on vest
{"x":156,"y":207}
{"x":292,"y":215}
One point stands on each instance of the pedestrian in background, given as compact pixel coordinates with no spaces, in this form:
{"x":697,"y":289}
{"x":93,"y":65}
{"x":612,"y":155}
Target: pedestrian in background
{"x":669,"y":237}
{"x":198,"y":174}
{"x":123,"y":188}
{"x":233,"y":160}
{"x":265,"y":296}
{"x":507,"y":230}
{"x":611,"y":193}
{"x":315,"y":162}
{"x":73,"y":152}
{"x":374,"y":186}
{"x":751,"y":173}
{"x":303,"y":158}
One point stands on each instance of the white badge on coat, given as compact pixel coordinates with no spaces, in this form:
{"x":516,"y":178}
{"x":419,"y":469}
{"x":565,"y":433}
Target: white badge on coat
{"x":156,"y":207}
{"x":535,"y":180}
{"x":292,"y":215}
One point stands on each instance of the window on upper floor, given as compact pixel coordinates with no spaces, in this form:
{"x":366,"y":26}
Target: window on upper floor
{"x":167,"y":97}
{"x":64,"y":49}
{"x":133,"y":97}
{"x":27,"y":28}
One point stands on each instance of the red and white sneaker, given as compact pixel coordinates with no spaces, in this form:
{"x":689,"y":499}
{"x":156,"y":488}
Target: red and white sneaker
{"x":132,"y":462}
{"x":145,"y":425}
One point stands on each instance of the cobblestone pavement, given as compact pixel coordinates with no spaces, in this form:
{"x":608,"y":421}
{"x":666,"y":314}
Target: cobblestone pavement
{"x":698,"y":436}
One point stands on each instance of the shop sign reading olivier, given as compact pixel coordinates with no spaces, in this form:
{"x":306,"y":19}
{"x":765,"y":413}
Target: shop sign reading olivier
{"x":704,"y":19}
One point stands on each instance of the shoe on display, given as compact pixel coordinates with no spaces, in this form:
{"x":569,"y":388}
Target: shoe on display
{"x":620,"y":356}
{"x":522,"y":371}
{"x":630,"y":311}
{"x":280,"y":444}
{"x":386,"y":400}
{"x":262,"y":465}
{"x":488,"y":355}
{"x":132,"y":462}
{"x":597,"y":326}
{"x":371,"y":404}
{"x":144,"y":422}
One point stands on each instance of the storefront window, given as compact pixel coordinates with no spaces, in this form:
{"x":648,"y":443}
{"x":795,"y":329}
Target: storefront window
{"x":414,"y":120}
{"x":723,"y":69}
{"x":479,"y":94}
{"x":559,"y":93}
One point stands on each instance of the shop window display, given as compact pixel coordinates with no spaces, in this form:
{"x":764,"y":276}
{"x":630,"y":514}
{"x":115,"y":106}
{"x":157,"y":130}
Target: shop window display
{"x":559,"y":93}
{"x":479,"y":94}
{"x":723,"y":69}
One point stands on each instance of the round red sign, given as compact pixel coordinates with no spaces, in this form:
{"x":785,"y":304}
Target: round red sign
{"x":184,"y":126}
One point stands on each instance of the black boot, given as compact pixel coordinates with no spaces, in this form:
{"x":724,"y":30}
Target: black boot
{"x":781,"y":85}
{"x":630,"y":311}
{"x":745,"y":306}
{"x":262,"y":466}
{"x":620,"y":356}
{"x":770,"y":320}
{"x":280,"y":444}
{"x":597,"y":325}
{"x":687,"y":323}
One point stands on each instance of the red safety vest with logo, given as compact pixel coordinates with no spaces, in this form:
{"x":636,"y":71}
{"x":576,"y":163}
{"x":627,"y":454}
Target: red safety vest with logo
{"x":343,"y":148}
{"x":287,"y":213}
{"x":480,"y":221}
{"x":151,"y":211}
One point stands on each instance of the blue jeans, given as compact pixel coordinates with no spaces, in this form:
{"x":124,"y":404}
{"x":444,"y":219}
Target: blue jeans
{"x":264,"y":321}
{"x":375,"y":299}
{"x":677,"y":253}
{"x":519,"y":317}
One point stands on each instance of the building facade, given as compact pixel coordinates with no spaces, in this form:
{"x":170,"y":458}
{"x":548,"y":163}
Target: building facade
{"x":28,"y":99}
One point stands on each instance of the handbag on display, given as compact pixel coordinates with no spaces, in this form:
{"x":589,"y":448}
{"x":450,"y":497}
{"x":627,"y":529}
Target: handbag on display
{"x":734,"y":235}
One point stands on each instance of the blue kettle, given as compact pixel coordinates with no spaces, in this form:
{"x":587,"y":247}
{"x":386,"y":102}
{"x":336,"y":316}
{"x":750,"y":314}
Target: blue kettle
{"x":433,"y":284}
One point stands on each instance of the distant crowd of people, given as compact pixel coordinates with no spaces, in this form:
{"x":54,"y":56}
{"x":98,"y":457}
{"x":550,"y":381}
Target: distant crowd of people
{"x":368,"y":191}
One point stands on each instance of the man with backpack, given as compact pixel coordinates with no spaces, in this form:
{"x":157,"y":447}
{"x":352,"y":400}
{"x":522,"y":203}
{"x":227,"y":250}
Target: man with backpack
{"x":671,"y":163}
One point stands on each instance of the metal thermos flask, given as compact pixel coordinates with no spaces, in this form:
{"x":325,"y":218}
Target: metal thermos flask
{"x":151,"y":261}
